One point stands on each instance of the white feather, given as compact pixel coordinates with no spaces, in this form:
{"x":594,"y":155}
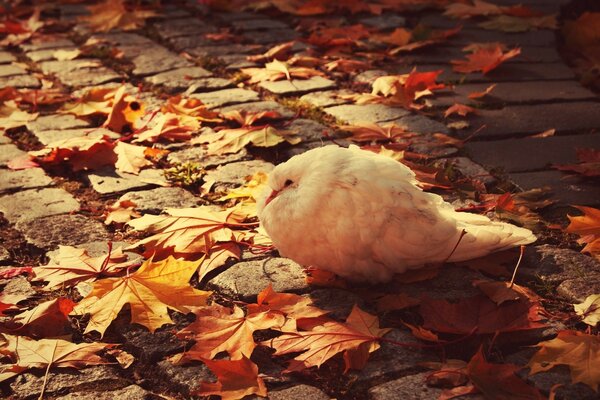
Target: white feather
{"x":362,"y":216}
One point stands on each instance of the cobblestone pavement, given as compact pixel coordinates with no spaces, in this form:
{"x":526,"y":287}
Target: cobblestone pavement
{"x":536,"y":92}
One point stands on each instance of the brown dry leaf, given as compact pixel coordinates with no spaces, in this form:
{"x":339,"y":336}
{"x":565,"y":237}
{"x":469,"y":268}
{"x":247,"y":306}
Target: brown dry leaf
{"x":112,"y":14}
{"x":393,"y":302}
{"x":277,"y":70}
{"x":545,"y":134}
{"x":217,"y":257}
{"x":94,"y":101}
{"x":484,"y":60}
{"x":228,"y":141}
{"x":405,"y":89}
{"x":587,"y":227}
{"x":168,"y":126}
{"x":499,"y":292}
{"x":12,"y":117}
{"x":475,"y":9}
{"x":130,"y":158}
{"x":478,"y":95}
{"x":188,"y":231}
{"x":120,"y":212}
{"x":367,"y":132}
{"x":359,"y":335}
{"x":75,"y":265}
{"x":150,"y":291}
{"x":27,"y":353}
{"x":579,"y":351}
{"x":47,"y":319}
{"x":235,"y":380}
{"x":589,"y":310}
{"x":190,"y":107}
{"x":82,"y":153}
{"x":228,"y":330}
{"x":125,"y":112}
{"x":459,"y":109}
{"x":247,"y":196}
{"x":278,"y":52}
{"x":347,"y":65}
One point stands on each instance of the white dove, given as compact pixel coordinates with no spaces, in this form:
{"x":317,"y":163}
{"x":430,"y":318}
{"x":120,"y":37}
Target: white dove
{"x":362,"y":216}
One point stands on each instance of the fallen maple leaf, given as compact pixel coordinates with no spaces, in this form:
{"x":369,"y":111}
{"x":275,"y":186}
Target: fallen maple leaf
{"x":219,"y":328}
{"x":500,"y":292}
{"x":360,"y":335}
{"x":499,"y":381}
{"x":190,"y":107}
{"x":94,"y":101}
{"x":150,"y":291}
{"x":73,"y":265}
{"x":235,"y":379}
{"x":405,"y":89}
{"x":120,"y":212}
{"x":187,"y":231}
{"x":130,"y":158}
{"x":113,"y":14}
{"x":424,"y":36}
{"x":277,"y":70}
{"x":12,"y":117}
{"x":47,"y":319}
{"x":367,"y":132}
{"x":346,"y":65}
{"x":484,"y":60}
{"x":589,"y":310}
{"x":579,"y":351}
{"x":589,"y":163}
{"x":27,"y":353}
{"x":168,"y":126}
{"x":480,"y":315}
{"x":475,"y":9}
{"x":459,"y":109}
{"x":279,"y":52}
{"x":228,"y":141}
{"x":217,"y":256}
{"x":125,"y":112}
{"x":393,"y":302}
{"x":10,"y":272}
{"x":478,"y":95}
{"x":247,"y":196}
{"x":82,"y":153}
{"x":587,"y":227}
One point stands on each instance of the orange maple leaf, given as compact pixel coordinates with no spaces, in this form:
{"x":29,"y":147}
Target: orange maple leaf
{"x":235,"y":379}
{"x":459,"y":109}
{"x":587,"y":226}
{"x":484,"y":59}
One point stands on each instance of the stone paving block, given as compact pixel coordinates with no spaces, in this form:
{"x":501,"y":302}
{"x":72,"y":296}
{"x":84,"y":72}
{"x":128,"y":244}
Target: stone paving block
{"x":9,"y":152}
{"x":443,"y":55}
{"x":326,"y":98}
{"x":64,"y":229}
{"x":21,"y":81}
{"x":309,"y":130}
{"x":532,"y":38}
{"x":201,"y":156}
{"x":298,"y":86}
{"x":157,"y":60}
{"x":88,"y":77}
{"x":131,"y":392}
{"x":220,"y":50}
{"x":540,"y":152}
{"x":11,"y":70}
{"x":421,"y":124}
{"x":226,"y":97}
{"x":175,"y":12}
{"x":73,"y":9}
{"x":234,"y":174}
{"x":154,"y":201}
{"x":56,"y":121}
{"x":53,"y":135}
{"x":46,"y":42}
{"x":471,"y":170}
{"x":247,"y":279}
{"x":124,"y":38}
{"x":233,"y":62}
{"x":6,"y":57}
{"x":298,"y":392}
{"x":46,"y":54}
{"x":566,"y":188}
{"x":367,"y":77}
{"x":112,"y":182}
{"x":272,"y":36}
{"x":184,"y":378}
{"x":35,"y":203}
{"x":354,"y":113}
{"x":234,"y":15}
{"x":257,"y":24}
{"x":183,"y":27}
{"x":411,"y":387}
{"x":259,"y":106}
{"x":63,"y":67}
{"x":384,"y":21}
{"x":180,"y":43}
{"x":199,"y":85}
{"x":23,"y":179}
{"x":178,"y":77}
{"x":533,"y":119}
{"x":516,"y":92}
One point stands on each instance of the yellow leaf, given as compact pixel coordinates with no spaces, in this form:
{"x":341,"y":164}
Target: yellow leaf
{"x":153,"y":289}
{"x":589,"y":309}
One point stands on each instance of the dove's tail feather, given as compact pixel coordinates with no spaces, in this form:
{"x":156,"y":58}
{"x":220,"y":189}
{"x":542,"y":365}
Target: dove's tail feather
{"x":485,"y":236}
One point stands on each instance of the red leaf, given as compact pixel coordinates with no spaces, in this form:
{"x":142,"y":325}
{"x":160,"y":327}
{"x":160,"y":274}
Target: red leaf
{"x":459,"y":109}
{"x":9,"y":272}
{"x":235,"y":379}
{"x":484,"y":59}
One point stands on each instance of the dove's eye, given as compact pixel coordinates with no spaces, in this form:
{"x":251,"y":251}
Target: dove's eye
{"x":288,"y":182}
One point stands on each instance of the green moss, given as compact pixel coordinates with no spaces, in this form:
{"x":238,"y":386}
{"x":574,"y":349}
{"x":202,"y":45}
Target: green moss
{"x":185,"y":174}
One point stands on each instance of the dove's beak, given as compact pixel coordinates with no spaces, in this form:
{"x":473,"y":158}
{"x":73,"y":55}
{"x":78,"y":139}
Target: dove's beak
{"x":272,"y":196}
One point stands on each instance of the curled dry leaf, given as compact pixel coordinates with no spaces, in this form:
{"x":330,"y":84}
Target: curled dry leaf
{"x":168,"y":126}
{"x":367,"y":132}
{"x":277,"y":70}
{"x":235,"y":379}
{"x":130,"y":158}
{"x":120,"y":212}
{"x":589,"y":310}
{"x":459,"y":109}
{"x":279,"y":52}
{"x":11,"y":116}
{"x":484,"y":60}
{"x":47,"y":319}
{"x":228,"y":141}
{"x":587,"y":226}
{"x":94,"y":101}
{"x":150,"y":291}
{"x":478,"y":95}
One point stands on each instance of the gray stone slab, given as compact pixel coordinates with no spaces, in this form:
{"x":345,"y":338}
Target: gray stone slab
{"x":6,"y":57}
{"x":111,"y":182}
{"x":9,"y":152}
{"x":178,"y":77}
{"x":46,"y":42}
{"x":222,"y":50}
{"x":568,"y":189}
{"x":46,"y":54}
{"x":233,"y":62}
{"x":53,"y":135}
{"x":411,"y":387}
{"x":310,"y":130}
{"x":205,"y":159}
{"x":199,"y":85}
{"x":354,"y":113}
{"x":258,"y":24}
{"x":124,"y":38}
{"x":66,"y":66}
{"x":185,"y":42}
{"x":384,"y":21}
{"x":421,"y":124}
{"x":326,"y":98}
{"x":183,"y":27}
{"x":23,"y":179}
{"x":533,"y":119}
{"x":185,"y":378}
{"x":154,"y":201}
{"x":11,"y":70}
{"x":226,"y":97}
{"x":516,"y":92}
{"x":532,"y":38}
{"x":247,"y":279}
{"x":272,"y":36}
{"x":56,"y":122}
{"x":154,"y":61}
{"x":88,"y":77}
{"x":298,"y":86}
{"x":298,"y":392}
{"x":443,"y":55}
{"x":259,"y":106}
{"x":234,"y":174}
{"x":21,"y":81}
{"x":131,"y":392}
{"x":35,"y":203}
{"x":540,"y":152}
{"x":367,"y":77}
{"x":65,"y":229}
{"x":471,"y":170}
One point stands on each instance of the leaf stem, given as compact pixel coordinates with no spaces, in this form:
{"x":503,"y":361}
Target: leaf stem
{"x":514,"y":275}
